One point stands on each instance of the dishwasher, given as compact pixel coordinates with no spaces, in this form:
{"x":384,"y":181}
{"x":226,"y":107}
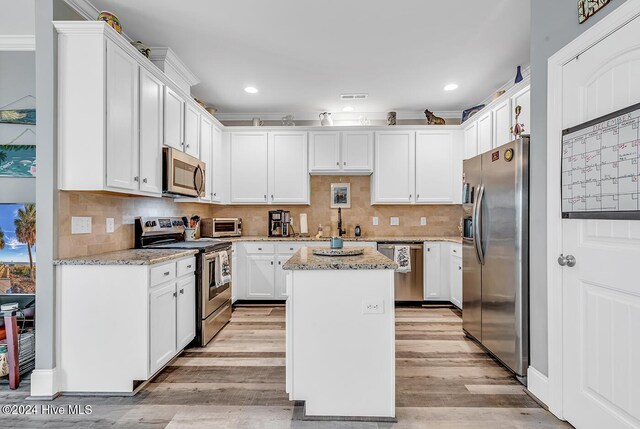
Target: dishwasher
{"x":409,"y":287}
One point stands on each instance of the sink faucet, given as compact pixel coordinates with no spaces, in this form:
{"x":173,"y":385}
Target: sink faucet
{"x":341,"y":231}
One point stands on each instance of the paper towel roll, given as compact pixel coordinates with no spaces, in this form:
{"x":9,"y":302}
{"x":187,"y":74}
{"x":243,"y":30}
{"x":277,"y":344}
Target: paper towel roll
{"x":304,"y":228}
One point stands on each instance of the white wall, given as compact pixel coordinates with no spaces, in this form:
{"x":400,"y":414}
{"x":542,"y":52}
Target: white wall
{"x":17,"y":17}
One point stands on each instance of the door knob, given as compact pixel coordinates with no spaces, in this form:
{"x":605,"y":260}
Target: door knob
{"x":569,"y":260}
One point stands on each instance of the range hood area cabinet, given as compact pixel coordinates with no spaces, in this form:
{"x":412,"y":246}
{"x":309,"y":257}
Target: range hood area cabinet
{"x":341,"y":153}
{"x":418,"y":167}
{"x":115,"y":109}
{"x":269,"y":168}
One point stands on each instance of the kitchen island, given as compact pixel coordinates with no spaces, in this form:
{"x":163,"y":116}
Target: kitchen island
{"x":340,"y":334}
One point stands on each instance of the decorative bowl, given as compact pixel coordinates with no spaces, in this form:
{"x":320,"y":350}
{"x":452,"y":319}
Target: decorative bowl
{"x":144,"y":49}
{"x":351,"y":251}
{"x":110,"y":19}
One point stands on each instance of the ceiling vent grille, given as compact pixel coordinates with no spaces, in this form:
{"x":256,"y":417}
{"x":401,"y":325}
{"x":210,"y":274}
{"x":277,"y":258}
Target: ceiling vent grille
{"x":359,"y":96}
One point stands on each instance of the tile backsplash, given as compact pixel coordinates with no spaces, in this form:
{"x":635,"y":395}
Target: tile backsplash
{"x":442,"y":220}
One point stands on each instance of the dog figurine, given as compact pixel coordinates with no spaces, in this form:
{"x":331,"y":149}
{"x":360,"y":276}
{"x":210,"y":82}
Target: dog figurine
{"x":433,"y":119}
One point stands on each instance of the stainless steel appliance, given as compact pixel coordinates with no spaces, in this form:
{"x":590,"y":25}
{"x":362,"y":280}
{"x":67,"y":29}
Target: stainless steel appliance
{"x":496,"y":253}
{"x":221,"y":227}
{"x":182,"y":174}
{"x":213,"y":297}
{"x":279,"y":223}
{"x":409,"y":287}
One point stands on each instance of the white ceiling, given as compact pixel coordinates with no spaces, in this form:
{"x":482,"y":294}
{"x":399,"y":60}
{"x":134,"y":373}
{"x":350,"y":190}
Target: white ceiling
{"x":302,"y":54}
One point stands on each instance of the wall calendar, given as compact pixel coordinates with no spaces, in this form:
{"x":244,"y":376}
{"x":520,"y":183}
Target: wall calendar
{"x":601,"y":167}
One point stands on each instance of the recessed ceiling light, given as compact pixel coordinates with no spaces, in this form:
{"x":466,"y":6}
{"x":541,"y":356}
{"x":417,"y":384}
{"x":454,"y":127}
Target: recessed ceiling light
{"x":251,"y":90}
{"x":451,"y":87}
{"x":348,"y":109}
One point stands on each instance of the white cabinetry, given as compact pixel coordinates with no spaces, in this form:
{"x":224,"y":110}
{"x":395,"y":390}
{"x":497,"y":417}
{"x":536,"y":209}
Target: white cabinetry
{"x":347,"y":152}
{"x":186,"y":311}
{"x":162,"y":319}
{"x":260,"y":276}
{"x":485,"y":132}
{"x":151,"y":132}
{"x":206,"y":149}
{"x":435,"y":287}
{"x":522,"y":98}
{"x":173,"y":119}
{"x":455,"y":280}
{"x":219,"y":171}
{"x":191,"y":130}
{"x":438,"y":168}
{"x":357,"y":152}
{"x":269,"y":168}
{"x":394,"y":173}
{"x":471,"y":140}
{"x":502,"y":123}
{"x":324,"y":152}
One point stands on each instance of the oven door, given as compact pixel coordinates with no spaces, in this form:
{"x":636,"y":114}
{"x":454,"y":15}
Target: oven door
{"x":183,"y":174}
{"x":214,"y":294}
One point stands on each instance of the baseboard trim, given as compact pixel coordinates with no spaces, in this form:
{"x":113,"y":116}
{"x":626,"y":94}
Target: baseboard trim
{"x":538,"y":385}
{"x":44,"y":384}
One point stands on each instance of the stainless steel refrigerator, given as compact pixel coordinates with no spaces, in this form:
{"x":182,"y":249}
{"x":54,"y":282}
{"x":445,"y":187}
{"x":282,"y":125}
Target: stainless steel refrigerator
{"x":495,"y":253}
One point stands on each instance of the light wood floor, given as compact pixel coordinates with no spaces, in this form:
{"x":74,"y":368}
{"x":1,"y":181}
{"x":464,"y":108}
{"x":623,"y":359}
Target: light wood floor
{"x":238,"y":381}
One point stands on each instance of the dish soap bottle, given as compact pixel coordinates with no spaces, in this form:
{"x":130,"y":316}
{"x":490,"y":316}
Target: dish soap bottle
{"x":358,"y":231}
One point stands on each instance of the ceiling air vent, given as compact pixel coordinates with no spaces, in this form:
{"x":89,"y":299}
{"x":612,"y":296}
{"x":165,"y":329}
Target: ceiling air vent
{"x":359,"y":96}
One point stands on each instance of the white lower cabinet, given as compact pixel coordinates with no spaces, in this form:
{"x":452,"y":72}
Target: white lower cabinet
{"x":443,"y":272}
{"x":162,"y":321}
{"x":281,"y":277}
{"x":260,"y":276}
{"x":186,"y":312}
{"x":455,"y":279}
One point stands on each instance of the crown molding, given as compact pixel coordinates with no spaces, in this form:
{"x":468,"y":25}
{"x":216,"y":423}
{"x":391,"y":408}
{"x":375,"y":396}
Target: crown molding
{"x":162,"y":53}
{"x":313,"y":116}
{"x":17,"y":43}
{"x":89,"y":12}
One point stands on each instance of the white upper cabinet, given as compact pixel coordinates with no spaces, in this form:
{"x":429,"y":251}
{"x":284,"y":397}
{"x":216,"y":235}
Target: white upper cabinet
{"x":219,"y":171}
{"x":249,"y":168}
{"x":436,"y":167}
{"x":122,"y":119}
{"x":502,"y":124}
{"x":485,"y":132}
{"x":151,"y":125}
{"x":173,"y":119}
{"x":206,"y":143}
{"x":471,"y":140}
{"x":523,"y":99}
{"x":288,"y":168}
{"x":394,"y":175}
{"x":357,"y":152}
{"x":191,"y":130}
{"x":324,"y":152}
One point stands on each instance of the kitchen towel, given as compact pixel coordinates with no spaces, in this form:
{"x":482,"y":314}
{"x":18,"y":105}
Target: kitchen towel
{"x":223,"y":269}
{"x":402,"y":257}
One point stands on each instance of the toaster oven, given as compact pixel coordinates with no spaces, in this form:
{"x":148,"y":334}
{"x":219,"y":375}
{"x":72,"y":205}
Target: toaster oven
{"x":221,"y":227}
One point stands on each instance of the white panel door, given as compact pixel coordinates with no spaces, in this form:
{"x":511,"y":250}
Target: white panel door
{"x":206,"y":148}
{"x":433,"y":282}
{"x":471,"y":140}
{"x":357,"y":152}
{"x":324,"y":152}
{"x":151,"y":125}
{"x":281,"y":277}
{"x":173,"y":119}
{"x":455,"y":280}
{"x":122,"y":119}
{"x":523,"y":99}
{"x":191,"y":130}
{"x":162,"y":325}
{"x":185,"y":312}
{"x":219,"y":166}
{"x":394,"y":173}
{"x":289,"y":168}
{"x":601,"y":293}
{"x":249,"y":168}
{"x":502,"y":124}
{"x":434,"y":167}
{"x":260,"y":276}
{"x":485,"y":133}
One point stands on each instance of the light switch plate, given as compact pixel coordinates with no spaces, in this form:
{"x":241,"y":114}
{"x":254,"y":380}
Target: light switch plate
{"x":111,"y":225}
{"x":423,"y":221}
{"x":395,"y":221}
{"x":375,"y":221}
{"x":80,"y":225}
{"x":372,"y":307}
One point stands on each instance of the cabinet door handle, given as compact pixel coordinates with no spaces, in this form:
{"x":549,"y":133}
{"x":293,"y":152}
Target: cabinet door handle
{"x":344,"y":163}
{"x":188,"y":146}
{"x":188,"y":266}
{"x":409,"y":196}
{"x":417,"y":195}
{"x":338,"y":163}
{"x":290,"y":248}
{"x":167,"y":273}
{"x":259,"y":248}
{"x":215,"y":194}
{"x":271,"y":262}
{"x":428,"y":249}
{"x":271,"y":197}
{"x":144,"y":180}
{"x":265,"y":197}
{"x":136,"y":179}
{"x":175,"y":294}
{"x":182,"y":291}
{"x":279,"y":262}
{"x":459,"y":267}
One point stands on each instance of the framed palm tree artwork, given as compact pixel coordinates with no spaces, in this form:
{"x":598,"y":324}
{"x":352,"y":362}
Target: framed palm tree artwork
{"x":17,"y":248}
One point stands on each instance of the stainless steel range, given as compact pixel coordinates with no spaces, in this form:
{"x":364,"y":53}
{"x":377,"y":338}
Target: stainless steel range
{"x":213,"y":270}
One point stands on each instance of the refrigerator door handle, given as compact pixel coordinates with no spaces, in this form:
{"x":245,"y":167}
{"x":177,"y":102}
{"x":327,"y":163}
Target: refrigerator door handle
{"x":477,"y":225}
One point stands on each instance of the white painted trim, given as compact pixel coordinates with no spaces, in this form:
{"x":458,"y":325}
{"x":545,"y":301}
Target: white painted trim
{"x":44,"y":383}
{"x":625,"y":13}
{"x":25,"y":42}
{"x":313,"y":116}
{"x":89,"y":12}
{"x":538,"y":384}
{"x":167,"y":55}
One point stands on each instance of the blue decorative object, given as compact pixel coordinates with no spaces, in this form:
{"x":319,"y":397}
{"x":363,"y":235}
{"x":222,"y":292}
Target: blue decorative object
{"x":466,"y":114}
{"x":519,"y":75}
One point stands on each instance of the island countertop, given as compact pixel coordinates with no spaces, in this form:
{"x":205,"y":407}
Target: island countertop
{"x":371,"y":259}
{"x":129,"y":257}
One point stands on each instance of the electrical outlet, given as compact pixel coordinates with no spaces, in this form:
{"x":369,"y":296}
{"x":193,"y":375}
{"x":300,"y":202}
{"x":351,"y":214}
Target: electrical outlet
{"x":395,"y":221}
{"x":372,"y":307}
{"x":423,"y":221}
{"x":111,"y":225}
{"x":80,"y":225}
{"x":375,"y":221}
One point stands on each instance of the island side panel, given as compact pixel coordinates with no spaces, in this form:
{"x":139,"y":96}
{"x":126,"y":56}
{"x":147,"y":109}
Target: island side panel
{"x":341,"y":360}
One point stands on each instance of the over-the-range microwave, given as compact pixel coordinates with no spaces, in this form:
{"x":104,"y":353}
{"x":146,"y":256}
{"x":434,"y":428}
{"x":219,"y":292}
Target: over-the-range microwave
{"x":182,"y":174}
{"x":221,"y":227}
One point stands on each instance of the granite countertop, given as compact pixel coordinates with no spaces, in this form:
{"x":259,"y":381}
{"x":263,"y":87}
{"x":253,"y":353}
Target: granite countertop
{"x":385,"y":239}
{"x":129,"y":257}
{"x":371,"y":259}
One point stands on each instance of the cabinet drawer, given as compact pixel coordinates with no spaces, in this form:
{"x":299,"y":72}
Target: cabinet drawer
{"x":163,"y":273}
{"x":186,"y":266}
{"x":289,"y":247}
{"x":259,"y":247}
{"x":456,"y":250}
